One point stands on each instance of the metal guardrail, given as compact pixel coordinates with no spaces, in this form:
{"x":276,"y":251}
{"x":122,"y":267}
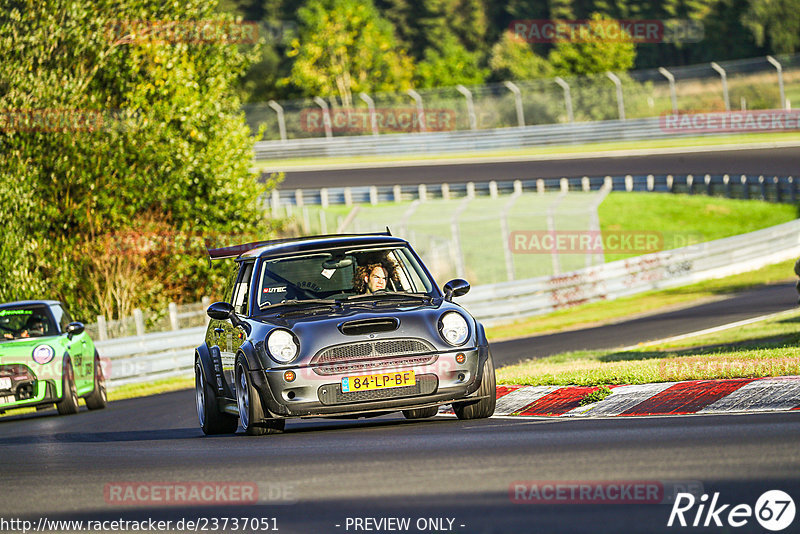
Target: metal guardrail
{"x":774,"y":188}
{"x":732,"y":255}
{"x":166,"y":354}
{"x":462,"y":141}
{"x":150,"y":357}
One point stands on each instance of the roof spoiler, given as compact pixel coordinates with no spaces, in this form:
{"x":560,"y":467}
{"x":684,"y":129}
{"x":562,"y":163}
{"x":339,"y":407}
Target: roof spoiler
{"x":235,"y":251}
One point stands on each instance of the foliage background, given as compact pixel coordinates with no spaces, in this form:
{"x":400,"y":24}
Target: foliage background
{"x":448,"y":42}
{"x":137,"y":158}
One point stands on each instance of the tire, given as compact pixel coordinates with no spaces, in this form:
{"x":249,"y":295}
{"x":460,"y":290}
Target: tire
{"x":97,"y":399}
{"x":421,"y":413}
{"x":484,"y":407}
{"x":251,"y":413}
{"x":211,"y":420}
{"x":68,"y":405}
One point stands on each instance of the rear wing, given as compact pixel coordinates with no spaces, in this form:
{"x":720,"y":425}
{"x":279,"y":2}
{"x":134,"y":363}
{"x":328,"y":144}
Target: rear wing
{"x":235,"y":251}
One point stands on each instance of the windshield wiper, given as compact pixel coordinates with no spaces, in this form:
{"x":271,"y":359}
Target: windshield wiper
{"x":386,"y":295}
{"x":312,"y":303}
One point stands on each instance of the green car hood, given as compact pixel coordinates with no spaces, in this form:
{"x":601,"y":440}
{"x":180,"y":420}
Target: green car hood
{"x":21,"y":350}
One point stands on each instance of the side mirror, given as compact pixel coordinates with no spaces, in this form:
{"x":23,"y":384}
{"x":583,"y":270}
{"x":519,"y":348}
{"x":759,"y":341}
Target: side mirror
{"x":455,"y":288}
{"x":75,"y":329}
{"x":220,"y":311}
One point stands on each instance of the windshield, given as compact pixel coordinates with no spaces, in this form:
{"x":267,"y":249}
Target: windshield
{"x":337,"y":275}
{"x":25,"y":322}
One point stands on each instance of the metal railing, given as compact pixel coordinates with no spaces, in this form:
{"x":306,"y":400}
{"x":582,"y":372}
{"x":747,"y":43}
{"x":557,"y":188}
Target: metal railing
{"x":285,"y":202}
{"x":522,"y":113}
{"x":660,"y":270}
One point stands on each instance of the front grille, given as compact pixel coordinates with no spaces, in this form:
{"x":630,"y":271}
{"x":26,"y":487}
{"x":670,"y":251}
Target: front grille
{"x":332,"y":393}
{"x":370,"y":365}
{"x":372,"y":349}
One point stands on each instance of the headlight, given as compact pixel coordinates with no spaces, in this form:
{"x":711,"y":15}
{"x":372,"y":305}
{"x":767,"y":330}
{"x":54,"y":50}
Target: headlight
{"x":453,"y":328}
{"x":43,"y":354}
{"x":281,"y":345}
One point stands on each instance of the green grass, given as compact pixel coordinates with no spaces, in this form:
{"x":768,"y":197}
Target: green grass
{"x":129,"y":391}
{"x":722,"y":140}
{"x":766,"y":348}
{"x":598,"y":313}
{"x":688,"y":219}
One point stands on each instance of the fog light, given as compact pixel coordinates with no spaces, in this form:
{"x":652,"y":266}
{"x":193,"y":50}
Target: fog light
{"x":461,"y":377}
{"x":460,"y":358}
{"x":289,"y":376}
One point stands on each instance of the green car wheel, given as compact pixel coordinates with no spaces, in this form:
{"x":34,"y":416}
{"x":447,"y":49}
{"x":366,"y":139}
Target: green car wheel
{"x":68,"y":404}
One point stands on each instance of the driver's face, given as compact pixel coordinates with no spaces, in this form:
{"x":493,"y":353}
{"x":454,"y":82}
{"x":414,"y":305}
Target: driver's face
{"x":377,"y":279}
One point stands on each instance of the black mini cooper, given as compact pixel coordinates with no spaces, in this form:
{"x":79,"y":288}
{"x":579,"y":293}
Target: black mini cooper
{"x":337,"y":326}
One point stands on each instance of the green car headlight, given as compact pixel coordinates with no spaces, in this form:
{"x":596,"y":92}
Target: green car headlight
{"x":43,"y":354}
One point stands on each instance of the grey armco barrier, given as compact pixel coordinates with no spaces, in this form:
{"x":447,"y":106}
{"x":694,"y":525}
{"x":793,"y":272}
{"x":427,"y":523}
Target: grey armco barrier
{"x":149,"y":357}
{"x":732,"y":255}
{"x":460,"y":141}
{"x":167,"y":354}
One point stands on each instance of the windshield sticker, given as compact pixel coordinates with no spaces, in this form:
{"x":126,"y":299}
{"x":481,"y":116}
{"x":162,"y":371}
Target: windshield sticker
{"x":3,"y":313}
{"x":327,"y":273}
{"x":306,"y":284}
{"x":281,"y":289}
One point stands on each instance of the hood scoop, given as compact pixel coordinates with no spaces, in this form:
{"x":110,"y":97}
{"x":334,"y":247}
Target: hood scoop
{"x":369,"y":326}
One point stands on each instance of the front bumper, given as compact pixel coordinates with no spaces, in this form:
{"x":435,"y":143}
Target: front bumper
{"x":318,"y":392}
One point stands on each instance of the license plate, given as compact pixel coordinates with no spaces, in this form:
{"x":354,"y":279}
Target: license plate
{"x":386,"y":380}
{"x":5,"y":382}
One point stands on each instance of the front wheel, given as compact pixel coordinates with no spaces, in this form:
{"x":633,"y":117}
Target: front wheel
{"x":97,"y":399}
{"x":484,"y":407}
{"x":251,"y":413}
{"x":211,"y":420}
{"x":68,"y":404}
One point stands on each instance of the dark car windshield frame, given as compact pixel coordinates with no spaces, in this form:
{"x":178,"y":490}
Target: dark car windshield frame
{"x":410,"y":267}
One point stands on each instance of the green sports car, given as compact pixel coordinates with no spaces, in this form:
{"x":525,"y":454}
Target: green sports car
{"x":47,"y":359}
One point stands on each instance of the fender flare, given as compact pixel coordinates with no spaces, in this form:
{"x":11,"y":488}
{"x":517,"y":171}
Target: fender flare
{"x":259,"y":376}
{"x":211,"y":365}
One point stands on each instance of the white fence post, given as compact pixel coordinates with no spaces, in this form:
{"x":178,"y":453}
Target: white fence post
{"x":173,"y":316}
{"x":138,"y":318}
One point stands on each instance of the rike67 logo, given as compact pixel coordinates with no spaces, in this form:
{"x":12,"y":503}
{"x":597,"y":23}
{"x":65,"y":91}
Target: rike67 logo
{"x":774,"y":511}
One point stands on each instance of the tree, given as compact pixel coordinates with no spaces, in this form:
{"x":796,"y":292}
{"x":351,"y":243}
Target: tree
{"x":450,"y":64}
{"x":514,"y":59}
{"x":607,"y":47}
{"x":775,"y":23}
{"x":120,"y":118}
{"x":345,"y":47}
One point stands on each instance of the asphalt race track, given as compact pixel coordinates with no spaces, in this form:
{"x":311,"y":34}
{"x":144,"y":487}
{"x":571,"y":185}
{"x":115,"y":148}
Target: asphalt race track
{"x":754,"y":303}
{"x":319,"y":473}
{"x":323,"y":473}
{"x":493,"y":476}
{"x":772,"y":161}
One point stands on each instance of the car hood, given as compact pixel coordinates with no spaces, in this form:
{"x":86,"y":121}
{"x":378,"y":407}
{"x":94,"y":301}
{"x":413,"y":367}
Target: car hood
{"x":324,"y":328}
{"x":13,"y":350}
